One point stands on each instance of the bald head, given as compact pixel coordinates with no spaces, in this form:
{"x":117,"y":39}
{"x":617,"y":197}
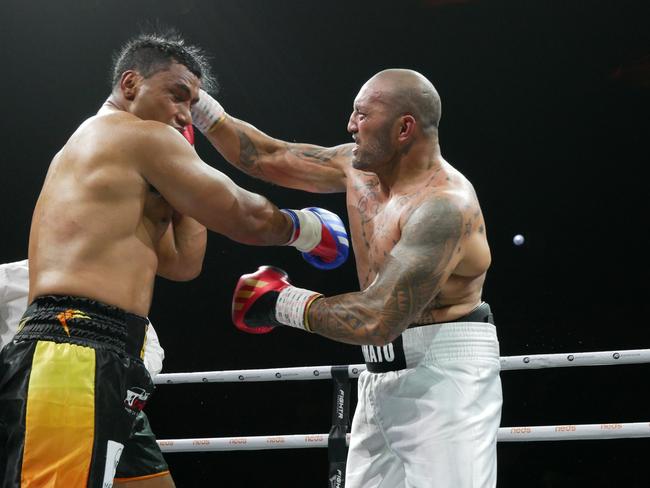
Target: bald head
{"x":407,"y":91}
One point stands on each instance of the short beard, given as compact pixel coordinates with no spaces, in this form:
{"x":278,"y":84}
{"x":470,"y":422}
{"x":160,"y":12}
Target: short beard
{"x":378,"y":153}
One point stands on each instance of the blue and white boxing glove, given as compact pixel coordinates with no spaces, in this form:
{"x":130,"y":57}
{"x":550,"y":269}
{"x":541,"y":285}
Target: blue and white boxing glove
{"x":320,"y":235}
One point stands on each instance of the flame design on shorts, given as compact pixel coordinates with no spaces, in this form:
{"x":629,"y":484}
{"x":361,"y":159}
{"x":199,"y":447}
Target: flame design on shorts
{"x":22,"y":323}
{"x":70,"y":314}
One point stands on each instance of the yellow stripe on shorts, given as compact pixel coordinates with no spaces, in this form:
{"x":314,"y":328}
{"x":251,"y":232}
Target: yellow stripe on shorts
{"x":60,"y":417}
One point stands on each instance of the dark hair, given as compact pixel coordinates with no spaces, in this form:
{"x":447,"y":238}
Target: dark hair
{"x":150,"y":53}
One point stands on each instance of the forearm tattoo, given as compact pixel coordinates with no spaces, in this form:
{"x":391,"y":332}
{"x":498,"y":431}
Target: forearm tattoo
{"x":248,"y":156}
{"x":252,"y":157}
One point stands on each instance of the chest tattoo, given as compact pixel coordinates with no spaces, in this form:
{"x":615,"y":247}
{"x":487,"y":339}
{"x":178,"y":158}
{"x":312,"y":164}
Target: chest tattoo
{"x":368,"y":204}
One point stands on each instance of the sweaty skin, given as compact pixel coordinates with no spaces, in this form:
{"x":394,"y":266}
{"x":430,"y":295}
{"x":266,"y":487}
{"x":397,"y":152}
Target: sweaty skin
{"x":417,"y":229}
{"x":128,"y":198}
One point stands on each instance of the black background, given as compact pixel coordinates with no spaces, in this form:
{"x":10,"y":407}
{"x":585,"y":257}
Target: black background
{"x":541,"y":111}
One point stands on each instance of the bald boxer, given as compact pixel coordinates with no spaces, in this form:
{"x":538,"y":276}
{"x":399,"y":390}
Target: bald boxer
{"x":142,"y":464}
{"x":125,"y":200}
{"x":429,"y":403}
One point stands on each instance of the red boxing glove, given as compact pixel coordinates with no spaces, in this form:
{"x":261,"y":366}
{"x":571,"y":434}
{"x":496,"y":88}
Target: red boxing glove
{"x":266,"y":299}
{"x":188,"y":133}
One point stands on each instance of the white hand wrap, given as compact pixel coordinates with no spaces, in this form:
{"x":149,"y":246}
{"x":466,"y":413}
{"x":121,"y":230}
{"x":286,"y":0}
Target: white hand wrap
{"x":292,"y":304}
{"x":207,"y":113}
{"x":309,"y":231}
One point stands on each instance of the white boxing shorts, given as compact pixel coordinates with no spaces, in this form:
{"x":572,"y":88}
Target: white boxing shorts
{"x":434,"y":423}
{"x":14,"y":287}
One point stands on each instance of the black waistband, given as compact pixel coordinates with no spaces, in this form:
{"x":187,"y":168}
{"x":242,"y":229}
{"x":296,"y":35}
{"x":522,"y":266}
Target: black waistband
{"x":482,"y":313}
{"x":83,"y":321}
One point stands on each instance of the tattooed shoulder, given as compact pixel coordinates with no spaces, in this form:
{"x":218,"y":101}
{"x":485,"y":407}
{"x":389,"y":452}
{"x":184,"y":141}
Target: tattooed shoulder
{"x":435,"y":219}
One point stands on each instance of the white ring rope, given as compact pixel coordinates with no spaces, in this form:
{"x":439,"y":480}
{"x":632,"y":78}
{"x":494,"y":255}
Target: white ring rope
{"x":562,"y":360}
{"x":506,"y":434}
{"x":508,"y":363}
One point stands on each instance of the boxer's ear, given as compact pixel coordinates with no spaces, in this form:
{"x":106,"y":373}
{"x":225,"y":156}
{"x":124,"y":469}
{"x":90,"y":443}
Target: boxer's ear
{"x":406,"y":127}
{"x":129,"y":84}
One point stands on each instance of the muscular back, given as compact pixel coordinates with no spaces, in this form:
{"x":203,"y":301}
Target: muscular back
{"x":377,"y":222}
{"x":97,"y":223}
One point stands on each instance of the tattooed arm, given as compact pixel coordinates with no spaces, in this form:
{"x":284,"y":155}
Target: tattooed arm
{"x":301,"y":166}
{"x":410,"y":278}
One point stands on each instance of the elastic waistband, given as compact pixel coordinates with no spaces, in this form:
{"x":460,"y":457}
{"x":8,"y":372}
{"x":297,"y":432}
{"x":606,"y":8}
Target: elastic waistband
{"x":83,"y":321}
{"x":450,"y":342}
{"x":472,"y":336}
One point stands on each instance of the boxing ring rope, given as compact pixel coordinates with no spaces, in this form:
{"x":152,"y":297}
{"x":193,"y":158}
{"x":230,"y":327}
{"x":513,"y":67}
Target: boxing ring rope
{"x":506,"y":434}
{"x":508,"y":363}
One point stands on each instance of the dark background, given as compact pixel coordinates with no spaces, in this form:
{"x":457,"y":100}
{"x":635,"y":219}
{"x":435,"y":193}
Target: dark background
{"x":545,"y":110}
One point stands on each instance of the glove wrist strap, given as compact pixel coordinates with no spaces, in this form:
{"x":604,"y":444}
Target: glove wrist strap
{"x":292,"y":304}
{"x":307,"y":230}
{"x":207,"y":114}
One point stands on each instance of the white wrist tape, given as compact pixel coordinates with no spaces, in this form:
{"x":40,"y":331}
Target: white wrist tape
{"x":309,"y":232}
{"x":207,"y":113}
{"x":291,"y":305}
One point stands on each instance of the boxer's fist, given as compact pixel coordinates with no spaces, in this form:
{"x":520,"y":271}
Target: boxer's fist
{"x":265,"y":299}
{"x":320,"y":235}
{"x":253,"y":303}
{"x":207,"y":113}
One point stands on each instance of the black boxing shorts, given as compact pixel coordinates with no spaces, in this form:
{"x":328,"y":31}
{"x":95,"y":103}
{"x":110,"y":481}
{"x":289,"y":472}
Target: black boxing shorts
{"x":141,"y":458}
{"x":72,"y":383}
{"x":405,"y":351}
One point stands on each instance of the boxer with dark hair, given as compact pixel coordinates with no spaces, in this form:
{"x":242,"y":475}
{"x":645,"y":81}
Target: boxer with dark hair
{"x":429,"y":403}
{"x":125,"y":199}
{"x":150,"y":53}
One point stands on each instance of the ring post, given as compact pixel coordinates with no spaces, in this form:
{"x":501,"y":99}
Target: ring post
{"x":336,"y":441}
